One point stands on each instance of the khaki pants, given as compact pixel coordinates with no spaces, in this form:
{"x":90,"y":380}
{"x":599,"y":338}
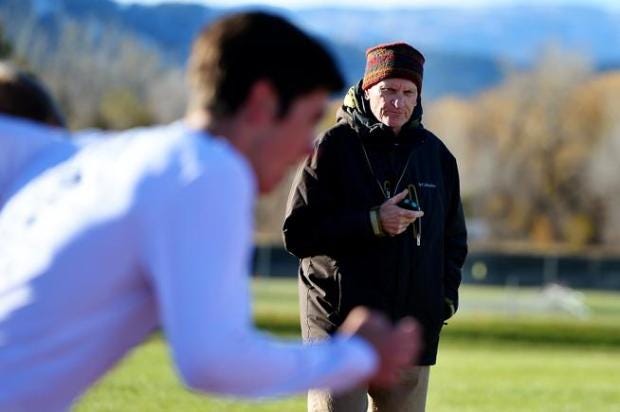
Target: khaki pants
{"x":408,"y":396}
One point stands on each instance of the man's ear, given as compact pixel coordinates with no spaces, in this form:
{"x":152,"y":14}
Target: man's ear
{"x":366,"y":95}
{"x":261,"y":106}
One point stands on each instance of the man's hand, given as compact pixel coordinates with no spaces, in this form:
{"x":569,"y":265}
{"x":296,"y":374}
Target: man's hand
{"x":394,"y":219}
{"x":397,"y":346}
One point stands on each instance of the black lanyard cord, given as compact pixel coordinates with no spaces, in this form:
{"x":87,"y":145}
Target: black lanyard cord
{"x":386,"y":192}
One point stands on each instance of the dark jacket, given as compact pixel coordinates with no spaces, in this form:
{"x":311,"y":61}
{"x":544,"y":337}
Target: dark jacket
{"x":343,"y":263}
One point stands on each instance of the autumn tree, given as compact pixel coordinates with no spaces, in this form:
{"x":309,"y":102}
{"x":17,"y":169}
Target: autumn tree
{"x":5,"y":46}
{"x":603,"y":170}
{"x":101,"y":75}
{"x":526,"y":152}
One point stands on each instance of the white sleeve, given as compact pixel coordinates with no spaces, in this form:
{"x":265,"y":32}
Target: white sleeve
{"x":199,"y":255}
{"x":20,"y":141}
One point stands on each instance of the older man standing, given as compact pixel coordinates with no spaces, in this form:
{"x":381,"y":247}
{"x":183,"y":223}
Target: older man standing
{"x":355,"y":220}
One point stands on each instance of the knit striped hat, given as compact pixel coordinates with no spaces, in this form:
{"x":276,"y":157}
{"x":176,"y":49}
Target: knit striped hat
{"x":393,"y":60}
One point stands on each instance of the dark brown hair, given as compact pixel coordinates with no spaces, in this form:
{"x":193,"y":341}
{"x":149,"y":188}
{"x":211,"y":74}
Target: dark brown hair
{"x":22,"y":95}
{"x":232,"y":54}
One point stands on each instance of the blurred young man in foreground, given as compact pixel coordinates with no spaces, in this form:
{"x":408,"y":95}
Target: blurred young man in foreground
{"x":103,"y":243}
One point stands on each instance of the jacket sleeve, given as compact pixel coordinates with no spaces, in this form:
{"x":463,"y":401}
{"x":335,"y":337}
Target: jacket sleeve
{"x":316,"y":223}
{"x":455,"y":239}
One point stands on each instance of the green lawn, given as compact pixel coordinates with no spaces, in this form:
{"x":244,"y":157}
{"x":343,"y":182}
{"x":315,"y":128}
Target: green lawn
{"x":497,"y":359}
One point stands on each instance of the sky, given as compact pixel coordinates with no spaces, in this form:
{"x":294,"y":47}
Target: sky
{"x":611,"y":4}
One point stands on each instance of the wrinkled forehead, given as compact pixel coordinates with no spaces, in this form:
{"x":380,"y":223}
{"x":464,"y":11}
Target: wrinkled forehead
{"x":396,"y":83}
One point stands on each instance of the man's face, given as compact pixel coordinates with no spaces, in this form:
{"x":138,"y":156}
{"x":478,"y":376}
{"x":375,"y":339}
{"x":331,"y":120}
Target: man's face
{"x":392,"y":101}
{"x":288,"y":139}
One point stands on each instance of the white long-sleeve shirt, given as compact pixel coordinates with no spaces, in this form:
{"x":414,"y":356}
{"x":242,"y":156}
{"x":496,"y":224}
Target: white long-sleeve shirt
{"x":104,"y":243}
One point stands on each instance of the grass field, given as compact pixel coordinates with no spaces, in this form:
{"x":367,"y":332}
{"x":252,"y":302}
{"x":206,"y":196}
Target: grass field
{"x":499,"y":354}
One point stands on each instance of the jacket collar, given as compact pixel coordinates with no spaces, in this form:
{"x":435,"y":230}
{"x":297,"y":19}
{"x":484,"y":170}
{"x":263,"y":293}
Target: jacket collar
{"x":355,"y":111}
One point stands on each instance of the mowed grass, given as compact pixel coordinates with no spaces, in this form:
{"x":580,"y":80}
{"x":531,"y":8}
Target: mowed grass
{"x":535,"y":362}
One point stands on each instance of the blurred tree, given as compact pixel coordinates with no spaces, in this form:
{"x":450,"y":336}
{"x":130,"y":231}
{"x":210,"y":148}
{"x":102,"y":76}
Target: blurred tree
{"x":526,"y":151}
{"x":5,"y":46}
{"x":84,"y":63}
{"x":167,"y":94}
{"x":603,"y":169}
{"x":121,"y":109}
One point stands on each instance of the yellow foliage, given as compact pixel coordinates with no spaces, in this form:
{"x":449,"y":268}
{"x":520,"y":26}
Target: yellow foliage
{"x":578,"y":229}
{"x":121,"y":109}
{"x":541,"y":232}
{"x":528,"y":145}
